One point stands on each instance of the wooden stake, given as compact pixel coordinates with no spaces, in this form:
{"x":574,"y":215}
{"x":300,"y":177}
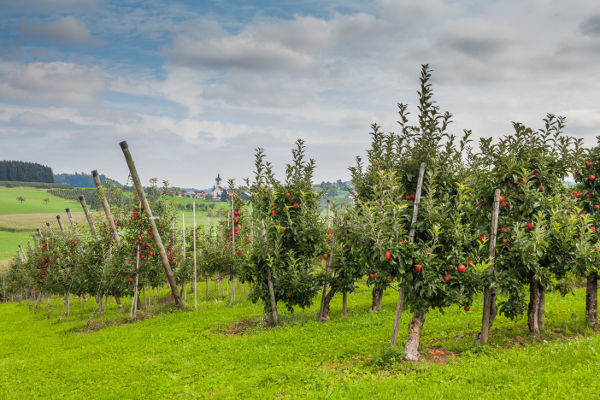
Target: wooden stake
{"x":489,"y":294}
{"x":183,"y":255}
{"x":22,"y":253}
{"x":109,"y":218}
{"x":60,"y":224}
{"x":326,"y":267}
{"x":411,"y":239}
{"x":233,"y":242}
{"x":106,"y":206}
{"x":195,"y":268}
{"x":156,"y":235}
{"x":72,"y":221}
{"x":88,"y":216}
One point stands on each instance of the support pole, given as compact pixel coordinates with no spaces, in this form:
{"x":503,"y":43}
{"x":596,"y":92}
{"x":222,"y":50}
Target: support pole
{"x":195,"y":268}
{"x":88,"y":216}
{"x":411,"y":239}
{"x":109,"y":217}
{"x":72,"y":221}
{"x":489,"y":294}
{"x":233,"y":242}
{"x":155,"y":233}
{"x":60,"y":224}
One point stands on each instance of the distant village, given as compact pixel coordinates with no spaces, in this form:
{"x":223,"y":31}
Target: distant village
{"x":341,"y":191}
{"x":216,"y":193}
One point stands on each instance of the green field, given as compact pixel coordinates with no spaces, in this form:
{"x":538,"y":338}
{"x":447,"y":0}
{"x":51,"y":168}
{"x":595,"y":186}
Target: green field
{"x":9,"y":243}
{"x":34,"y":205}
{"x":223,"y":351}
{"x":34,"y":202}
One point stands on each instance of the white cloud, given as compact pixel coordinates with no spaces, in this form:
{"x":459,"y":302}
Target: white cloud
{"x":52,"y":82}
{"x":66,"y":29}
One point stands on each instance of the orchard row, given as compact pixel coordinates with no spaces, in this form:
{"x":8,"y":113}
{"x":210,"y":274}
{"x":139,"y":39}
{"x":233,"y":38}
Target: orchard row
{"x":434,"y":217}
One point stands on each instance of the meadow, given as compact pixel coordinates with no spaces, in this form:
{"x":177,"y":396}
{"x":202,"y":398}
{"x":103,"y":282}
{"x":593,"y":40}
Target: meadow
{"x":225,"y":351}
{"x":19,"y":220}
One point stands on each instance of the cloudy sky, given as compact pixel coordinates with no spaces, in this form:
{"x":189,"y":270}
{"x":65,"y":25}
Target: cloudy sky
{"x":196,"y":86}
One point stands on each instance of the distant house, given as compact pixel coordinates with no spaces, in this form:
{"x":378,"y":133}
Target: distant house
{"x":190,"y":193}
{"x":200,"y":194}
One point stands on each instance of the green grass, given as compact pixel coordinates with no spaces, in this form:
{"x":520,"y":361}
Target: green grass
{"x":194,"y":354}
{"x":34,"y":202}
{"x":9,"y":243}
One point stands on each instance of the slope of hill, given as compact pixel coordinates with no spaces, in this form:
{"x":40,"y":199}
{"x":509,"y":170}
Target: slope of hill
{"x":82,"y":180}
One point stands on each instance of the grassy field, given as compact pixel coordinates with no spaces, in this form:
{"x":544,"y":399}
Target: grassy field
{"x":34,"y":202}
{"x":9,"y":243}
{"x":18,"y":221}
{"x":223,"y":351}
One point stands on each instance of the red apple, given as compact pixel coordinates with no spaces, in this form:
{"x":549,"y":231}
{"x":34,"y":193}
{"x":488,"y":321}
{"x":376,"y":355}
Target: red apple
{"x":461,"y":268}
{"x":529,"y":225}
{"x":418,"y":268}
{"x":592,"y":177}
{"x":502,"y":230}
{"x":388,"y":255}
{"x":447,"y":278}
{"x":467,"y":308}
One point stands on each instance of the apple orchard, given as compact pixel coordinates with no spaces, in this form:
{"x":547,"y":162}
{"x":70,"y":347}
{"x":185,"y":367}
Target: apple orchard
{"x":435,"y":218}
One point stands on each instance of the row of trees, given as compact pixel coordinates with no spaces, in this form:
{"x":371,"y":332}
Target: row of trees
{"x":433,"y":218}
{"x":25,"y":172}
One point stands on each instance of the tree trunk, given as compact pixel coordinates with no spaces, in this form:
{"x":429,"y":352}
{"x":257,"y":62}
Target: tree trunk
{"x":489,"y":314}
{"x":532,"y":311}
{"x":399,"y":307}
{"x":541,"y":307}
{"x":591,"y":300}
{"x":118,"y":301}
{"x":325,"y":309}
{"x":273,"y":319}
{"x":345,"y":304}
{"x":411,"y":349}
{"x":377,"y":298}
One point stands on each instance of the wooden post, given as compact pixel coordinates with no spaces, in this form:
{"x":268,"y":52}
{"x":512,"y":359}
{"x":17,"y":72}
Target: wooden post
{"x":326,"y":267}
{"x":72,"y":221}
{"x":183,"y":255}
{"x":411,"y":239}
{"x":109,"y":217}
{"x":233,"y":243}
{"x":274,"y":315}
{"x":489,"y":294}
{"x":22,"y":253}
{"x":88,"y":216}
{"x":156,"y":235}
{"x":60,"y":224}
{"x":194,"y":263}
{"x":50,"y":228}
{"x":106,"y":206}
